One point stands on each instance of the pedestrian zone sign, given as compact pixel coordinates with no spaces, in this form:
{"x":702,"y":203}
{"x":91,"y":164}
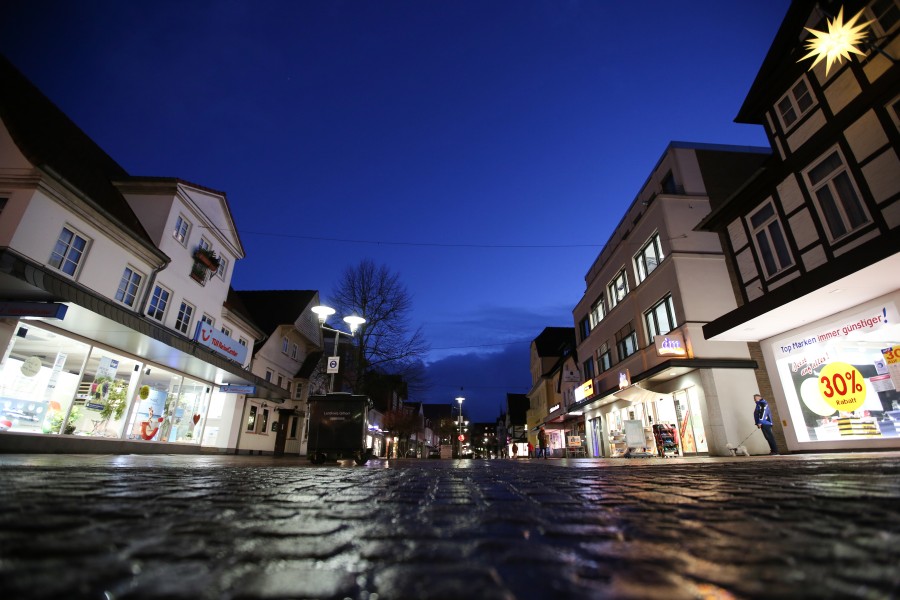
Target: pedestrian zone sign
{"x":333,"y":364}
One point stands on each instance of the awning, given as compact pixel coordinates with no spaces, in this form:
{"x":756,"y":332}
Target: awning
{"x":635,"y":393}
{"x":96,"y":318}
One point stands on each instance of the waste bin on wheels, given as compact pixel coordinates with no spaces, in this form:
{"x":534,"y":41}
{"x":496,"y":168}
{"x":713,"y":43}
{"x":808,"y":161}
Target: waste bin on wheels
{"x":338,"y":427}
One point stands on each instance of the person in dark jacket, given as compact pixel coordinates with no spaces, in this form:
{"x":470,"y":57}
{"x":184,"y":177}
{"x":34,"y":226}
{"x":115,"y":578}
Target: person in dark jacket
{"x":763,"y":417}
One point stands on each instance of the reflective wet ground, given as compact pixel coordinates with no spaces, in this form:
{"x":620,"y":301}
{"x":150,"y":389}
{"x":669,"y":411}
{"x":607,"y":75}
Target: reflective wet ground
{"x":809,"y":526}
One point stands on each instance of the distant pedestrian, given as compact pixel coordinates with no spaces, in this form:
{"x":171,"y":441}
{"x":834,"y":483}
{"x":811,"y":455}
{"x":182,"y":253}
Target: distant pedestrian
{"x":530,"y":450}
{"x":542,"y":442}
{"x":763,"y":417}
{"x":515,"y":451}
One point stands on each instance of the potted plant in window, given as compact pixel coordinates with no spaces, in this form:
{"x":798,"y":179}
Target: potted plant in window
{"x":207,"y":258}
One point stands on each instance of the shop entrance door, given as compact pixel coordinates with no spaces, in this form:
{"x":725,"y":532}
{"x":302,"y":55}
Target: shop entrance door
{"x":690,"y":422}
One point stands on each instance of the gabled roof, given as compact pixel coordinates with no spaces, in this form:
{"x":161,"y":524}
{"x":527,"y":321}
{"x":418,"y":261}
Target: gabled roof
{"x":235,"y":304}
{"x":55,"y":144}
{"x":553,"y":341}
{"x":271,"y":308}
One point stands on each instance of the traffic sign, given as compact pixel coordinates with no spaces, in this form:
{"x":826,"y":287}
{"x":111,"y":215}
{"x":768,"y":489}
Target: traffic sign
{"x":333,"y":364}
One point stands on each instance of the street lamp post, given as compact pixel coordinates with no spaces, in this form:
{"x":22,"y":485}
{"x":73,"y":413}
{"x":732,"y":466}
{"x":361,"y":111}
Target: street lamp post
{"x":459,"y":424}
{"x":323,"y":312}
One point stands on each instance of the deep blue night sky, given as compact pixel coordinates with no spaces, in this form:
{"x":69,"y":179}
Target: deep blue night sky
{"x":482,"y":149}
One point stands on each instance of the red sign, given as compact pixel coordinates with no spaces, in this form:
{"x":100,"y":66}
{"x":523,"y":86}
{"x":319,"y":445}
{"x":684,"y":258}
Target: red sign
{"x":461,"y":437}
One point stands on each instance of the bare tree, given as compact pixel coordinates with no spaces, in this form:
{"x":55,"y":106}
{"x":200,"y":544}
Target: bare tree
{"x":384,"y":343}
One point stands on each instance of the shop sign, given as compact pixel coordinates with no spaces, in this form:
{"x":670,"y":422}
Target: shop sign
{"x":218,"y":342}
{"x":237,"y":389}
{"x":46,"y":310}
{"x":670,"y":344}
{"x":553,"y":408}
{"x":585,"y":390}
{"x":573,"y":441}
{"x":864,"y":322}
{"x":842,"y":386}
{"x":892,"y":361}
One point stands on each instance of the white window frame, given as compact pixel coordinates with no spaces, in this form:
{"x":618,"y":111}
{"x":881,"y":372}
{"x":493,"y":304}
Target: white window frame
{"x":204,"y":244}
{"x":242,"y":342}
{"x":66,"y":252}
{"x":153,"y":305}
{"x":622,"y":342}
{"x":827,"y":187}
{"x":285,"y":345}
{"x":603,"y":351}
{"x":182,"y":230}
{"x":793,"y":98}
{"x":642,"y":266}
{"x":185,"y":310}
{"x":294,"y":350}
{"x":770,"y":241}
{"x":226,"y":330}
{"x":128,"y":287}
{"x":651,"y":318}
{"x":613,"y":287}
{"x":598,"y":311}
{"x":208,"y":319}
{"x":223,"y":266}
{"x":252,"y":418}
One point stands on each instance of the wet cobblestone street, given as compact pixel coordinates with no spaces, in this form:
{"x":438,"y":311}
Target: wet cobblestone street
{"x":117,"y":527}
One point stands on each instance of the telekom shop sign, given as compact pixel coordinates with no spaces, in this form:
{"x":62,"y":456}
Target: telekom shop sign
{"x":208,"y":336}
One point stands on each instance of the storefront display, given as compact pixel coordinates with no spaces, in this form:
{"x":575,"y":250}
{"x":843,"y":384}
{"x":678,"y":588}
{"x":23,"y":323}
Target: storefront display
{"x":837,"y":377}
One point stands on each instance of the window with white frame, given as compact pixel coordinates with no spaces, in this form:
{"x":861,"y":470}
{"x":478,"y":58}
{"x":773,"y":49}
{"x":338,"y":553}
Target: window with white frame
{"x":68,"y":251}
{"x":269,"y":374}
{"x":604,"y":357}
{"x":204,"y":244}
{"x":298,"y":391}
{"x":288,"y":385}
{"x":158,"y":303}
{"x":294,"y":349}
{"x":796,"y":103}
{"x":182,"y":230}
{"x":618,"y":289}
{"x":242,"y":342}
{"x":836,"y":196}
{"x":646,"y":261}
{"x":223,"y":266}
{"x":768,"y":236}
{"x":129,"y":286}
{"x":598,"y":311}
{"x":626,"y":341}
{"x":285,"y":344}
{"x":208,"y":319}
{"x":226,"y":330}
{"x":185,"y":315}
{"x":660,"y":318}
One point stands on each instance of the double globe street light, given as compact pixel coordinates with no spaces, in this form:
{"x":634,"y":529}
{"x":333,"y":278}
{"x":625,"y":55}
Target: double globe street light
{"x":352,"y":321}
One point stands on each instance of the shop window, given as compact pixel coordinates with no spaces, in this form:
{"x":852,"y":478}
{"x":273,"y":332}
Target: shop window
{"x":618,"y":289}
{"x":185,"y":315}
{"x":129,"y":286}
{"x":796,"y":103}
{"x":69,"y":250}
{"x":158,"y":303}
{"x":646,"y":261}
{"x":768,"y":236}
{"x":182,"y":230}
{"x":598,"y":311}
{"x":660,"y":319}
{"x":251,"y":419}
{"x":626,"y":341}
{"x":604,"y":357}
{"x":836,"y":197}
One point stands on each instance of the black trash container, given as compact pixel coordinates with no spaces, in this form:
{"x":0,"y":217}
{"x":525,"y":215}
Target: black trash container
{"x":338,"y":426}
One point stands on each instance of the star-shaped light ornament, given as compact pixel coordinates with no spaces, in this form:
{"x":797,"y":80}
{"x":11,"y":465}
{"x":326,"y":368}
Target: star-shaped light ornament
{"x":838,"y":42}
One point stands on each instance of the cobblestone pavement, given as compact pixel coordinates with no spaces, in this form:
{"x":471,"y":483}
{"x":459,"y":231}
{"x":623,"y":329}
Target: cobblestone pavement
{"x":121,"y":527}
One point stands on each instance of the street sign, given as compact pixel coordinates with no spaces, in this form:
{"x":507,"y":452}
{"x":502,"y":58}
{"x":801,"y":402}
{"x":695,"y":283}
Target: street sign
{"x":333,"y":364}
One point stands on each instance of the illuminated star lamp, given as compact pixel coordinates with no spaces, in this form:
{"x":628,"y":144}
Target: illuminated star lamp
{"x":838,"y":42}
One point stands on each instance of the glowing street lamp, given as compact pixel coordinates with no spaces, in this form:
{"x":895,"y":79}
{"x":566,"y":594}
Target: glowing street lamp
{"x":352,"y":321}
{"x":838,"y":42}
